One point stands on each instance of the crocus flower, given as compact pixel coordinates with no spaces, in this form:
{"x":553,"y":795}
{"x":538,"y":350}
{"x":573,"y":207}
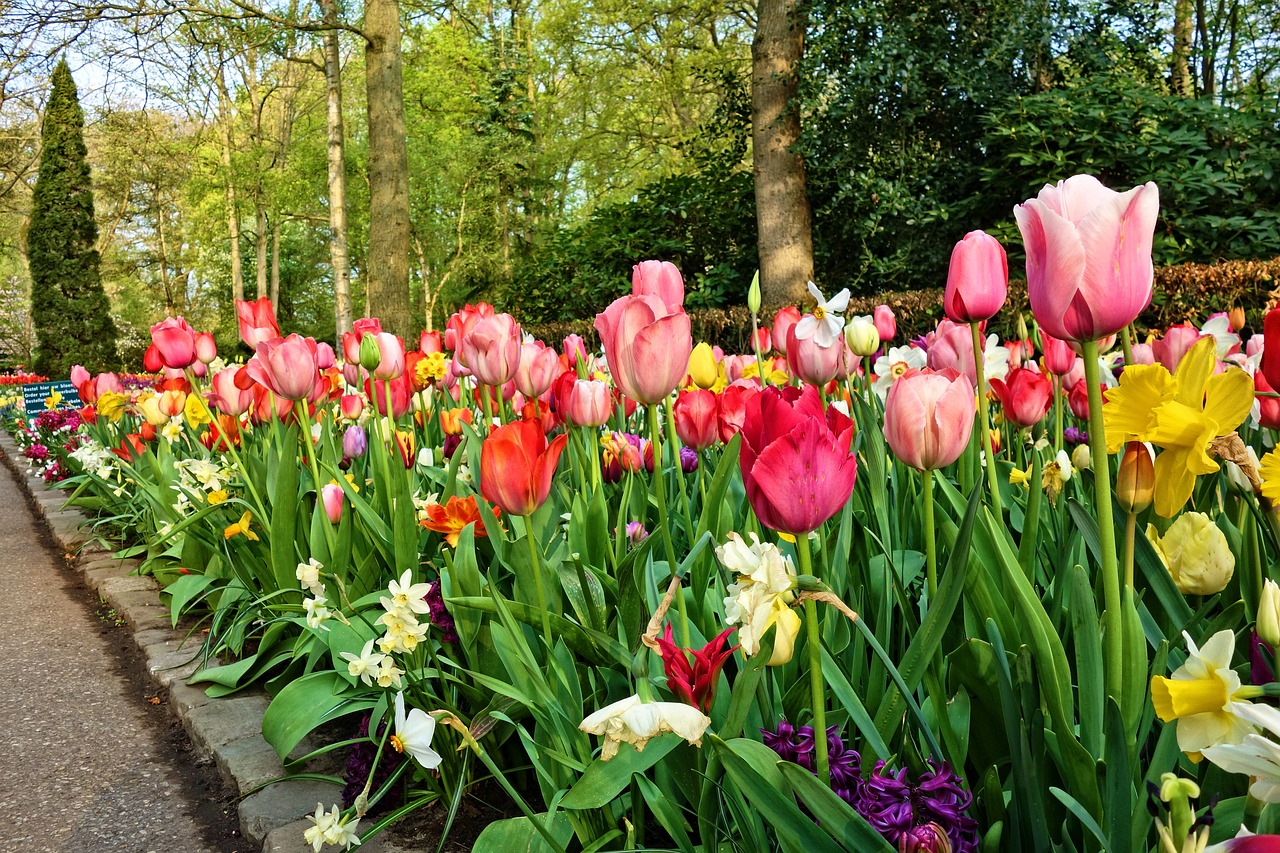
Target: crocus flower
{"x":516,"y":466}
{"x":175,"y":341}
{"x":1089,"y":269}
{"x":796,"y":460}
{"x":414,"y":733}
{"x":1200,"y":693}
{"x":635,"y":722}
{"x":977,"y":280}
{"x":647,"y":346}
{"x":782,"y":323}
{"x":824,"y":323}
{"x":491,"y":350}
{"x":660,"y":278}
{"x":928,"y":417}
{"x":694,"y":681}
{"x":257,"y":321}
{"x":1024,"y":395}
{"x":287,"y":366}
{"x":695,"y":418}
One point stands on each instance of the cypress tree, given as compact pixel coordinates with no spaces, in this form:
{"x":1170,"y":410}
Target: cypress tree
{"x":68,"y":305}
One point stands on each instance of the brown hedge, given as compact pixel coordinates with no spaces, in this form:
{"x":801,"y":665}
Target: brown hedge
{"x":1187,"y":292}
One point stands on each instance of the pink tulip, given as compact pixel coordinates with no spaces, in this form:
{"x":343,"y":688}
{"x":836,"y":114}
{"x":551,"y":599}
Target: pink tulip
{"x":287,"y":366}
{"x":1170,"y":349}
{"x":763,"y":340}
{"x":1024,"y":395}
{"x":886,"y":323}
{"x":978,"y":279}
{"x":1143,"y":354}
{"x":206,"y":347}
{"x":574,"y":348}
{"x":491,"y":350}
{"x":325,"y":356}
{"x":401,"y":395}
{"x":1089,"y":270}
{"x":1075,"y":375}
{"x":391,"y":356}
{"x":461,"y":323}
{"x":952,"y":348}
{"x":539,"y":367}
{"x":695,"y":417}
{"x":79,"y":375}
{"x":590,"y":403}
{"x":782,"y":323}
{"x":731,"y":407}
{"x":257,"y":321}
{"x":331,"y":496}
{"x":661,"y":279}
{"x":429,"y":342}
{"x":809,"y":360}
{"x":796,"y":460}
{"x":1078,"y":399}
{"x":1058,"y":355}
{"x":647,"y":346}
{"x":351,"y":406}
{"x":226,"y":396}
{"x":175,"y":341}
{"x":928,"y":417}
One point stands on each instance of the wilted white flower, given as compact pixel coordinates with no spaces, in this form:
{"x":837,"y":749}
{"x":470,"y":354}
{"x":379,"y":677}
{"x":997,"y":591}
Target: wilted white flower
{"x":635,"y":722}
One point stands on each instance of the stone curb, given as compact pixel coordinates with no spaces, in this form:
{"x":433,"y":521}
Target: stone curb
{"x":226,"y":730}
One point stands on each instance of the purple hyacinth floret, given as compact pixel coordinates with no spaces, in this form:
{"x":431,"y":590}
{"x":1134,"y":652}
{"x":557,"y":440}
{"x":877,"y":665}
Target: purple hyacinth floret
{"x":440,"y":615}
{"x":792,"y":743}
{"x":1075,"y":435}
{"x":360,"y":762}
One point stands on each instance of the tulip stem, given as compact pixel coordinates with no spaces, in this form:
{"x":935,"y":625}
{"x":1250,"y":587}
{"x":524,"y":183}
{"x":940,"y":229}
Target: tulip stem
{"x":817,"y":685}
{"x":1106,"y":525}
{"x":984,"y":430}
{"x":227,"y":442}
{"x":674,"y":441}
{"x":1130,"y":529}
{"x":660,"y":495}
{"x":315,"y":472}
{"x":487,"y":406}
{"x":1031,"y":519}
{"x":536,"y":562}
{"x":930,"y":545}
{"x":1126,"y":342}
{"x":1057,"y":413}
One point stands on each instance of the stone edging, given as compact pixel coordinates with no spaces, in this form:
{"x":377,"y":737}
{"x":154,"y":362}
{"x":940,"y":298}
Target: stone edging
{"x":228,"y":730}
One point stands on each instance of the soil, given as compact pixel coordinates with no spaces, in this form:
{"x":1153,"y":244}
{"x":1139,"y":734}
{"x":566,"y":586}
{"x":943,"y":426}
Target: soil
{"x":421,"y":829}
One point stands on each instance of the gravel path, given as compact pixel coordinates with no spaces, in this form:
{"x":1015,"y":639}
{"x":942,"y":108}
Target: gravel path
{"x":87,"y":763}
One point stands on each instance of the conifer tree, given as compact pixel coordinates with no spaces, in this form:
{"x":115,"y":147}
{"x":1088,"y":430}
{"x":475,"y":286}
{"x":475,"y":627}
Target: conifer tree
{"x":68,"y":305}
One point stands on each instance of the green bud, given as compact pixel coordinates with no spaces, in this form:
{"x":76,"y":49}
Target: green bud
{"x":753,"y":294}
{"x":370,"y":355}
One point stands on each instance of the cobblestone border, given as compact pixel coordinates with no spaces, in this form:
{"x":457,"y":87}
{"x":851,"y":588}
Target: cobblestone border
{"x":228,"y":730}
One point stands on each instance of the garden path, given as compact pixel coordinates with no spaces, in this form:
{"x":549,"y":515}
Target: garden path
{"x":87,"y":764}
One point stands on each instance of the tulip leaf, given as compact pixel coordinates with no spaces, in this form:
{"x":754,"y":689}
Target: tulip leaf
{"x":605,"y":780}
{"x":1082,"y":815}
{"x":1088,"y":648}
{"x":284,"y":521}
{"x":843,"y":690}
{"x":307,"y":703}
{"x":592,"y":645}
{"x":850,"y":829}
{"x":518,"y":835}
{"x":185,"y":590}
{"x":666,"y":812}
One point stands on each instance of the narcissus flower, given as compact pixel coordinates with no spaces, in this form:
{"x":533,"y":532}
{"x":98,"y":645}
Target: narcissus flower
{"x":824,"y":323}
{"x":414,"y":733}
{"x":364,"y":666}
{"x":241,"y":527}
{"x":1200,"y":693}
{"x":635,"y":722}
{"x":331,"y":828}
{"x":1195,"y":552}
{"x":761,"y":597}
{"x":1257,"y":755}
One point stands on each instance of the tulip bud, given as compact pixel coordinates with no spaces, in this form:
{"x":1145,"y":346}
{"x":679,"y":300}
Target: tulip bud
{"x":206,"y":348}
{"x":862,"y":337}
{"x":702,"y":366}
{"x":331,"y":496}
{"x":1135,"y":483}
{"x":753,"y":294}
{"x":354,"y":442}
{"x":370,"y":354}
{"x":1269,"y":614}
{"x":1196,"y":554}
{"x":1080,"y":458}
{"x":1237,"y":319}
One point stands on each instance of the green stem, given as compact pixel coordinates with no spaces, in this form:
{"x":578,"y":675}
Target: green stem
{"x":984,"y":431}
{"x":487,"y":407}
{"x":817,"y":685}
{"x":1126,"y":342}
{"x":1114,"y":638}
{"x":659,"y":489}
{"x":674,"y":442}
{"x":315,"y":472}
{"x":1057,"y":413}
{"x":536,"y":562}
{"x":930,"y":544}
{"x":1130,"y":529}
{"x":231,"y":448}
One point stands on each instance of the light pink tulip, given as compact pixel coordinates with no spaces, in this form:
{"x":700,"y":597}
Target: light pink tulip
{"x":1170,"y":349}
{"x":1089,"y":269}
{"x":206,"y":348}
{"x":226,"y":396}
{"x":928,"y":417}
{"x":331,"y":496}
{"x":539,"y":367}
{"x":977,"y":280}
{"x":1075,"y":375}
{"x":491,"y":350}
{"x":647,"y":345}
{"x":325,"y":356}
{"x":952,"y":348}
{"x":660,"y":278}
{"x":287,"y":366}
{"x":782,"y":323}
{"x":812,"y":362}
{"x":175,"y":341}
{"x":391,"y":356}
{"x":1143,"y":354}
{"x":590,"y":403}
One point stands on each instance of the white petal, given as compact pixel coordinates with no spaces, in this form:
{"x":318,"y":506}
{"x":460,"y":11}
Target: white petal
{"x":838,"y":303}
{"x":806,"y":327}
{"x":815,"y":293}
{"x":597,"y":722}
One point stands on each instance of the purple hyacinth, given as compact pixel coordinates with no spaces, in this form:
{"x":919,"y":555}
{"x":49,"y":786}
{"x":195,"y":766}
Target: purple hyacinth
{"x":440,"y":615}
{"x":360,"y":762}
{"x":1074,"y":435}
{"x":899,"y":810}
{"x":792,"y":743}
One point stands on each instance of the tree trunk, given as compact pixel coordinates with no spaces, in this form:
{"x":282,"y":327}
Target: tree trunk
{"x":1180,"y":66}
{"x":261,"y":242}
{"x":387,"y":279}
{"x":337,"y":174}
{"x":1207,"y":51}
{"x":783,"y":218}
{"x":233,"y":208}
{"x":275,"y":265}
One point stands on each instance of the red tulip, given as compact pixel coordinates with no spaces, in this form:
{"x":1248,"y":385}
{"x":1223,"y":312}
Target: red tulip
{"x":1170,"y":349}
{"x":647,"y":346}
{"x":695,"y":417}
{"x":1271,"y":347}
{"x":796,"y":461}
{"x":331,"y":497}
{"x":1059,"y":358}
{"x":288,"y":366}
{"x":731,"y":408}
{"x":491,"y":350}
{"x":809,"y":360}
{"x":590,"y":402}
{"x":131,"y":448}
{"x":695,"y":682}
{"x":661,"y":279}
{"x":539,"y":367}
{"x":928,"y":417}
{"x":516,"y":466}
{"x":401,"y":395}
{"x":175,"y":341}
{"x":978,"y":279}
{"x":886,"y":323}
{"x":1269,"y":407}
{"x":1024,"y":395}
{"x":257,"y":321}
{"x":1089,"y":270}
{"x":1021,"y":352}
{"x":206,"y":347}
{"x":782,"y":323}
{"x":763,"y":340}
{"x":1078,"y":400}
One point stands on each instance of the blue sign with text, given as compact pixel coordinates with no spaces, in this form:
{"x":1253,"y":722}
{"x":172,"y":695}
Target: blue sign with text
{"x":39,"y":396}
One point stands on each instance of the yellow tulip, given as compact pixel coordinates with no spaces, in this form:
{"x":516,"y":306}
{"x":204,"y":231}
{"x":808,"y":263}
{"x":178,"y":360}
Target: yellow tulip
{"x":149,"y":408}
{"x":1268,"y":626}
{"x":1196,"y":554}
{"x":702,"y":365}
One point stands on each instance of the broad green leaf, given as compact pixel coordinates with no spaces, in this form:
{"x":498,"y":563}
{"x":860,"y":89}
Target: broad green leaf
{"x":605,"y":780}
{"x":307,"y":703}
{"x":850,"y":829}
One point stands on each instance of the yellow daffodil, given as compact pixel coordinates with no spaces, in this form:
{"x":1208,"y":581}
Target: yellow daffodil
{"x":1269,"y":472}
{"x":241,"y":527}
{"x":775,"y":377}
{"x":1182,"y":414}
{"x":52,"y":401}
{"x":1018,"y":477}
{"x":217,"y":496}
{"x":196,"y":412}
{"x":111,"y":405}
{"x":430,"y":369}
{"x":1200,"y":693}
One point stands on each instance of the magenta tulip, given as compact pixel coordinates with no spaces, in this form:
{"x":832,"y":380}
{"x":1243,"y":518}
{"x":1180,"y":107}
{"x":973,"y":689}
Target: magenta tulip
{"x":287,"y":366}
{"x":928,"y":417}
{"x":811,"y":361}
{"x":661,"y":279}
{"x":978,"y":279}
{"x":175,"y":341}
{"x":647,"y":346}
{"x":1059,"y":358}
{"x":491,"y":350}
{"x":1089,"y":270}
{"x":796,"y":460}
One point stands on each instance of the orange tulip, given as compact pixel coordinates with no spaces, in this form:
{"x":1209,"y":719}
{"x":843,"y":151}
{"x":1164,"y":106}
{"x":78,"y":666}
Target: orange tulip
{"x":516,"y":466}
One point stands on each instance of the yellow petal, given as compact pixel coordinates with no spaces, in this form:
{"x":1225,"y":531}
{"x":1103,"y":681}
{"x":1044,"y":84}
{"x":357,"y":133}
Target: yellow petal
{"x":1269,"y":472}
{"x":1129,"y":411}
{"x":1194,"y":371}
{"x":1229,"y":396}
{"x":1174,"y":698}
{"x":1186,"y":427}
{"x":1174,"y":482}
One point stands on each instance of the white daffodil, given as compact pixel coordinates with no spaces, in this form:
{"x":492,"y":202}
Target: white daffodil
{"x":1219,"y":328}
{"x":308,"y":575}
{"x":894,"y":363}
{"x":365,"y":665}
{"x":761,"y":596}
{"x":635,"y":722}
{"x":330,"y":828}
{"x":1201,"y":694}
{"x":414,"y":733}
{"x":317,"y":613}
{"x":824,"y":324}
{"x":1256,"y":756}
{"x":995,"y":360}
{"x":762,"y":562}
{"x":406,"y":595}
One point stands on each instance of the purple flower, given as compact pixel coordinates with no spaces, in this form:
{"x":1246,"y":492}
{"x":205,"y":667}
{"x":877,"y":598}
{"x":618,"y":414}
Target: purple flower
{"x":354,"y":442}
{"x":440,"y":615}
{"x":1260,"y":656}
{"x":451,"y":443}
{"x":37,"y":452}
{"x":791,"y":743}
{"x":688,"y":460}
{"x":1075,"y":436}
{"x":360,"y":762}
{"x":901,"y":812}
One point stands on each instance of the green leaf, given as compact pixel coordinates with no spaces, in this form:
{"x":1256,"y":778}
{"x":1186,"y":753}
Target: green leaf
{"x":605,"y":780}
{"x":307,"y":703}
{"x":518,"y":835}
{"x":833,"y":814}
{"x":185,"y":590}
